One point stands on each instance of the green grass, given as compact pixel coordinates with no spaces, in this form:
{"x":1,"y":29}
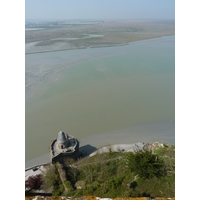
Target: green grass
{"x":109,"y":175}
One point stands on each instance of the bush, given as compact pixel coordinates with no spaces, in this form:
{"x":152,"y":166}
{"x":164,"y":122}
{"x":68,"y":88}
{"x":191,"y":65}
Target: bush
{"x":115,"y":182}
{"x":56,"y":192}
{"x":146,"y":164}
{"x":52,"y":179}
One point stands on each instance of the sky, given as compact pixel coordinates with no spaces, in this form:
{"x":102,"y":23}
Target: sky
{"x":99,"y":9}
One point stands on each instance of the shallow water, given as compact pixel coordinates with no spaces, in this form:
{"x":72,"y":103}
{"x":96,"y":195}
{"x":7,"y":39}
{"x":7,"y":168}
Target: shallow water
{"x":104,"y":92}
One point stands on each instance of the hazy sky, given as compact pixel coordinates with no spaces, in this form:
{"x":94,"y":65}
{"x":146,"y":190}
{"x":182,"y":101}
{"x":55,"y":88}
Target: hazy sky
{"x":100,"y":9}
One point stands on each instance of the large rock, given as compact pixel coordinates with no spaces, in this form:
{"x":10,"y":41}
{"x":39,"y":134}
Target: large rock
{"x":152,"y":146}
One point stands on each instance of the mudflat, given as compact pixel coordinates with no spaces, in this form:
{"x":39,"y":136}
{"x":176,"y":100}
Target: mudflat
{"x":53,"y":37}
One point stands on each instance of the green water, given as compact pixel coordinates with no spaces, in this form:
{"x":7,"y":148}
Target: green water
{"x":131,"y":85}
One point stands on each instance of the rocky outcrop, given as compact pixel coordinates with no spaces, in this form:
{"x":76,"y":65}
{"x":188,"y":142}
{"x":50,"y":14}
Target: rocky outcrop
{"x":153,"y":146}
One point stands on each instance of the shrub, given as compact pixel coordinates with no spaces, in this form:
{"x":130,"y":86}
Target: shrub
{"x":56,"y":192}
{"x":115,"y":182}
{"x":52,"y":179}
{"x":146,"y":164}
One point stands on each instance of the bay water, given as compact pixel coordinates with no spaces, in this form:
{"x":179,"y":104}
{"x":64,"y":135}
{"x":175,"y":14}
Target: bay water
{"x":121,"y":94}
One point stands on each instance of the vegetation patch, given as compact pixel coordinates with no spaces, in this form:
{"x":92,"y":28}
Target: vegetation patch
{"x":114,"y":175}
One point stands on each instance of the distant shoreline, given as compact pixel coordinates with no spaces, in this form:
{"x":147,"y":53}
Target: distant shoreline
{"x":113,"y":33}
{"x":99,"y":46}
{"x":77,"y":48}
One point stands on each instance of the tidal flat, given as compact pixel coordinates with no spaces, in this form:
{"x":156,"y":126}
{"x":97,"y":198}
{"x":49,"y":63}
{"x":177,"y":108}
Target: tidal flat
{"x":102,"y":96}
{"x":45,"y":37}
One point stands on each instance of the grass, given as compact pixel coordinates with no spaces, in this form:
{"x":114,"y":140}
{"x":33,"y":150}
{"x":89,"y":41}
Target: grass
{"x":109,"y":175}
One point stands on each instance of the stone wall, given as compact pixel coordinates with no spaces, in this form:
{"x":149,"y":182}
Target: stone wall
{"x":61,"y":156}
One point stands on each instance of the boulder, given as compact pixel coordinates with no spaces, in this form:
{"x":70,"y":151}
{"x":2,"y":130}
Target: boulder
{"x":79,"y":184}
{"x":152,"y":146}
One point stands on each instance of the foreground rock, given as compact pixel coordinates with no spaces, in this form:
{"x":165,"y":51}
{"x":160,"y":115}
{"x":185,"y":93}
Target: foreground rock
{"x":153,"y":146}
{"x":127,"y":148}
